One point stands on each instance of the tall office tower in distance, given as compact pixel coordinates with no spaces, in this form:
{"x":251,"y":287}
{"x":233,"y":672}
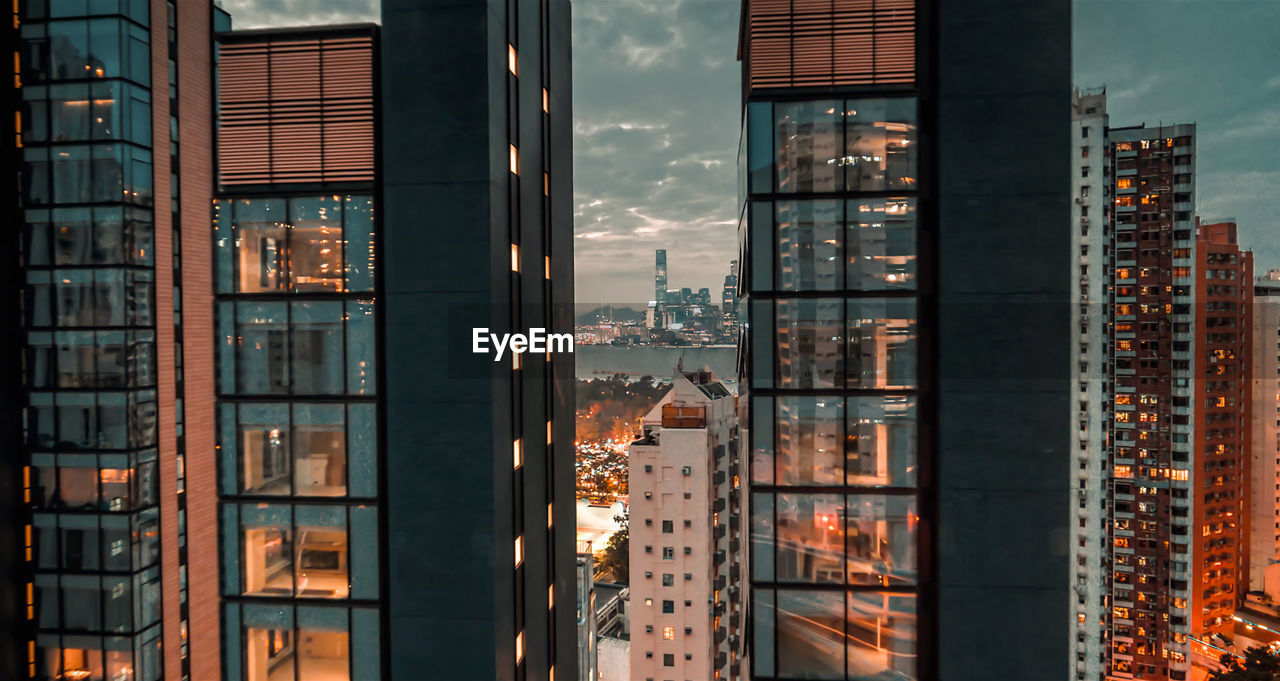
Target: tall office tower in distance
{"x":1152,"y":432}
{"x":108,"y":279}
{"x":729,"y":301}
{"x":687,"y":535}
{"x":296,"y":297}
{"x":1222,"y":405}
{"x":660,"y":275}
{"x":1091,"y":211}
{"x":905,"y":366}
{"x":477,"y":227}
{"x":1264,"y":441}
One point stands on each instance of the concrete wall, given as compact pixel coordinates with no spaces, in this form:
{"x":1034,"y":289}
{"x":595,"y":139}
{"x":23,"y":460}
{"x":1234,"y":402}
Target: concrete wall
{"x":1003,"y":119}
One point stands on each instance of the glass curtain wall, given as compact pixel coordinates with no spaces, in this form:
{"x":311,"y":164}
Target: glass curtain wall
{"x":829,"y":232}
{"x":297,"y":436}
{"x":90,"y":339}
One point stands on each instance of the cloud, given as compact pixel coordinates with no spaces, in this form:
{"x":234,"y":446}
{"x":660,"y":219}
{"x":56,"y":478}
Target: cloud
{"x":656,"y":107}
{"x":276,"y":13}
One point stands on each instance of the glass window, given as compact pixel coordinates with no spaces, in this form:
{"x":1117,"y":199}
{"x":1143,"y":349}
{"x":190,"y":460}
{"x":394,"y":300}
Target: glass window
{"x":810,"y":343}
{"x":322,"y":552}
{"x":271,"y":644}
{"x":810,"y":634}
{"x":316,"y":348}
{"x":880,"y":444}
{"x":319,"y":450}
{"x":762,"y":537}
{"x":261,"y":234}
{"x":881,"y":635}
{"x":81,"y":603}
{"x":882,"y":343}
{"x":762,"y":456}
{"x":881,"y":244}
{"x":362,"y":448}
{"x":880,"y":144}
{"x":880,"y":540}
{"x":262,"y":351}
{"x":810,"y":539}
{"x":222,"y":267}
{"x":759,"y":147}
{"x":79,"y":542}
{"x":809,"y":252}
{"x":263,"y":443}
{"x":358,"y":232}
{"x":315,"y":244}
{"x":324,"y":648}
{"x":267,"y":556}
{"x":808,"y":144}
{"x":809,"y":441}
{"x":361,"y":347}
{"x":68,"y":48}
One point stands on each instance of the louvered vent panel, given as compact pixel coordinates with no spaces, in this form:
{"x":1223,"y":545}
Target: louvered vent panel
{"x":799,"y":43}
{"x":296,"y":111}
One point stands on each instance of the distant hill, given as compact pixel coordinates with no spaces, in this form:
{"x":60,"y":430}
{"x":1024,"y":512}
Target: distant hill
{"x":610,"y":313}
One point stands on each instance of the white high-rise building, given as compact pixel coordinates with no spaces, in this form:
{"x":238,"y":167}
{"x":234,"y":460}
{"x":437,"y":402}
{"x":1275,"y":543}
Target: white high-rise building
{"x":1264,"y":536}
{"x":687,"y":536}
{"x":1091,"y":212}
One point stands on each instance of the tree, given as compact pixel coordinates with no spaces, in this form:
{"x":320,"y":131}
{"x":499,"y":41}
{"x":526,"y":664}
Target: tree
{"x":1259,"y":664}
{"x":616,"y":557}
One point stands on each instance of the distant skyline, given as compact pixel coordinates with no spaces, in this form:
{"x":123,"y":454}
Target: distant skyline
{"x":656,"y":106}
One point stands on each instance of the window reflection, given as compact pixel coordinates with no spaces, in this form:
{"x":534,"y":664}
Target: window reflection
{"x":880,"y":144}
{"x":882,"y":343}
{"x":881,"y":441}
{"x":881,"y":244}
{"x":880,"y":540}
{"x":308,"y":451}
{"x":808,"y":139}
{"x":810,"y":634}
{"x":810,"y":539}
{"x":810,"y":343}
{"x":809,"y":441}
{"x":809,"y":251}
{"x":881,"y":635}
{"x":315,"y":247}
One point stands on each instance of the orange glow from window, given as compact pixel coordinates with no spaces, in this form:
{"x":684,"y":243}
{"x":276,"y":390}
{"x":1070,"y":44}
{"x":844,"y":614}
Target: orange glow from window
{"x":513,"y":60}
{"x":515,"y":157}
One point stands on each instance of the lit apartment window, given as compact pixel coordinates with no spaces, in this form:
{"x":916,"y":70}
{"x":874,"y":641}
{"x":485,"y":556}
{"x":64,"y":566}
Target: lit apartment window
{"x":551,"y":596}
{"x":513,"y":60}
{"x":519,"y":647}
{"x":669,"y":633}
{"x":515,"y":361}
{"x":515,"y":258}
{"x":549,"y":432}
{"x":546,"y":102}
{"x":519,"y":550}
{"x":517,"y":454}
{"x":550,"y":516}
{"x":546,"y":184}
{"x":515,"y":167}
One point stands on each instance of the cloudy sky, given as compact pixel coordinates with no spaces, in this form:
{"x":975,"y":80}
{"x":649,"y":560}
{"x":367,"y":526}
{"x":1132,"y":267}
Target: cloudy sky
{"x":656,"y":118}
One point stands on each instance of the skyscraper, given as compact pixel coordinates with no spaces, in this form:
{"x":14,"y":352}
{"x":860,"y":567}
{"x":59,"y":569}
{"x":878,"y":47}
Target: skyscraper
{"x":1089,"y":423}
{"x":1264,"y":499}
{"x":108,"y":389}
{"x":906,"y":337}
{"x":687,"y":532}
{"x":660,"y":276}
{"x":298,"y":365}
{"x":477,"y":175}
{"x":1152,"y":446}
{"x":729,"y":301}
{"x":1222,"y":404}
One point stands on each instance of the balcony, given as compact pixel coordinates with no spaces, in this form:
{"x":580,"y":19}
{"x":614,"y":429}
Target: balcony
{"x":677,"y":416}
{"x":718,"y":505}
{"x":718,"y":478}
{"x":719,"y":558}
{"x":719,"y":532}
